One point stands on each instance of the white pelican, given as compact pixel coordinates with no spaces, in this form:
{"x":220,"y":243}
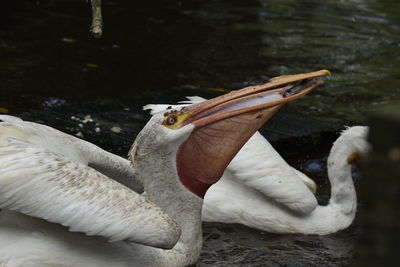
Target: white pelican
{"x":239,"y":196}
{"x":48,"y":189}
{"x":250,"y":191}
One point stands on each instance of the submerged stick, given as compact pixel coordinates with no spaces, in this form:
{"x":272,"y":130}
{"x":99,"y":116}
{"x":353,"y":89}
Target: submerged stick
{"x":97,"y":22}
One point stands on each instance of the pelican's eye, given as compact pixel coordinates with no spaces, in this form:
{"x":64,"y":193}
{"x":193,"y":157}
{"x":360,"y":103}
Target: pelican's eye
{"x":170,"y":120}
{"x":174,"y":120}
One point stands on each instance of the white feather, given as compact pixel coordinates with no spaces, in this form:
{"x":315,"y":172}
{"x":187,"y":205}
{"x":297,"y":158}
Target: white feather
{"x":8,"y":118}
{"x":243,"y":201}
{"x":157,"y":108}
{"x":60,"y":187}
{"x":40,"y":183}
{"x":45,"y":177}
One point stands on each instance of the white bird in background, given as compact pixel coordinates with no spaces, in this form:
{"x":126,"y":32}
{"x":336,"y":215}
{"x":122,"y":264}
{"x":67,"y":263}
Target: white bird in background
{"x":251,"y":192}
{"x":233,"y":201}
{"x":52,"y":183}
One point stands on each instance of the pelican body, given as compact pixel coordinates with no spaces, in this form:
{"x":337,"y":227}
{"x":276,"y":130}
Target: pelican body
{"x":233,"y":201}
{"x":62,"y":205}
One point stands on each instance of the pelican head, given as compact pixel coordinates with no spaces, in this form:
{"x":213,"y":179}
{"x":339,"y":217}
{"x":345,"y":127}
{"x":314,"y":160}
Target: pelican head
{"x":201,"y":139}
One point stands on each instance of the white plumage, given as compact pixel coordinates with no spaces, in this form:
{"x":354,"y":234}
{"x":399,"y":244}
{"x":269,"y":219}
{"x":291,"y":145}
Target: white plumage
{"x":231,"y":201}
{"x":49,"y":179}
{"x":260,"y":190}
{"x":45,"y":173}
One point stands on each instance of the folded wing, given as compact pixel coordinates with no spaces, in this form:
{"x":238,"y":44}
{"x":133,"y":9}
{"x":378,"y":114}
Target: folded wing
{"x":71,"y":147}
{"x":259,"y":166}
{"x":40,"y":183}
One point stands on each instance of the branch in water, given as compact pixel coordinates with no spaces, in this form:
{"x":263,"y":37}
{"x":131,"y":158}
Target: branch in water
{"x":97,"y":22}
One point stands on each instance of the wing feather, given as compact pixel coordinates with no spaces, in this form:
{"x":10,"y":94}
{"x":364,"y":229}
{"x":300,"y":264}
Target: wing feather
{"x":71,"y":147}
{"x":259,"y":166}
{"x":47,"y":185}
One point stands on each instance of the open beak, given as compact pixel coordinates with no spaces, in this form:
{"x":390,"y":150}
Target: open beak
{"x":225,"y":123}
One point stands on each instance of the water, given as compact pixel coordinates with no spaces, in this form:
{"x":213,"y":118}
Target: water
{"x":236,"y":245}
{"x":161,"y":51}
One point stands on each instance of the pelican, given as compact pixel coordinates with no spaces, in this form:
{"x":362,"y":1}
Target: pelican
{"x":59,"y":207}
{"x":250,"y":191}
{"x":247,"y":202}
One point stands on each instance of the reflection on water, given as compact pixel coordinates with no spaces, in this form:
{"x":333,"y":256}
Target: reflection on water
{"x":161,"y":51}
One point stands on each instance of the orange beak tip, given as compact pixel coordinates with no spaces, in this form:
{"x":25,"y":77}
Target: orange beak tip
{"x":326,"y":72}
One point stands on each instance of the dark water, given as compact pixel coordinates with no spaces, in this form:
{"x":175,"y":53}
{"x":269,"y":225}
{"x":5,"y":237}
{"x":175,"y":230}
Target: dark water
{"x":160,"y":51}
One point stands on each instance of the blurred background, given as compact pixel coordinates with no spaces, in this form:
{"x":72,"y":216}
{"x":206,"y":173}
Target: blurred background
{"x":52,"y":71}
